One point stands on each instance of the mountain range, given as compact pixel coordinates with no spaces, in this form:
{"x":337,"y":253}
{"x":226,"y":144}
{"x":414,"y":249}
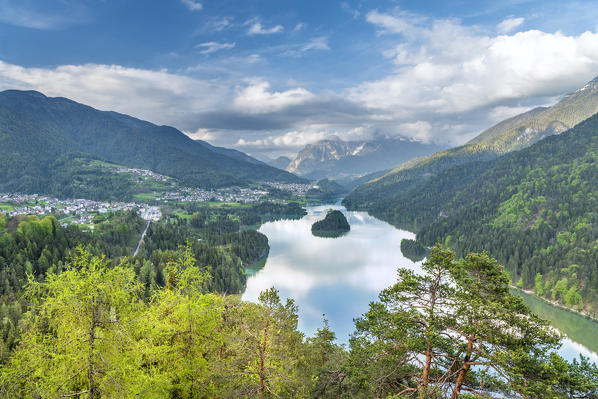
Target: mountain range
{"x":38,"y":133}
{"x":334,"y":157}
{"x":510,"y":135}
{"x":524,"y":190}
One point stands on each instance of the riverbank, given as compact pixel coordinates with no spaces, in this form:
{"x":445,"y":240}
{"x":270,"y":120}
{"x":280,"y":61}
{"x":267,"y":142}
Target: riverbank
{"x":556,"y":304}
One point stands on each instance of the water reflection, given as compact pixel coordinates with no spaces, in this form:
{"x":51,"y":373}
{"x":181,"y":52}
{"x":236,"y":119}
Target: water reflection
{"x":581,"y":333}
{"x":333,"y":276}
{"x":340,"y":276}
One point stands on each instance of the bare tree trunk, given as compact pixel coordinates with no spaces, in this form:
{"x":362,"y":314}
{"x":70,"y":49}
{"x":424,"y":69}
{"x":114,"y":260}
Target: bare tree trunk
{"x":464,"y":369}
{"x":423,"y":391}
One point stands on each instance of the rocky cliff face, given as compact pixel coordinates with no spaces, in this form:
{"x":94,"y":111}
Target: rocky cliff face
{"x":333,"y":156}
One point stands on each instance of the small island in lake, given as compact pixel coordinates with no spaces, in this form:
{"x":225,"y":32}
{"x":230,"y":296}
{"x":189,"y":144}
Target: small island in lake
{"x":335,"y":224}
{"x":413,"y":250}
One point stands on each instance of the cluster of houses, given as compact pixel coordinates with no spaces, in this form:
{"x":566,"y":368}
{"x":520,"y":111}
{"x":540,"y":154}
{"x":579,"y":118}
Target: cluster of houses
{"x":80,"y":211}
{"x":143,"y":173}
{"x":295,"y":188}
{"x":232,"y":194}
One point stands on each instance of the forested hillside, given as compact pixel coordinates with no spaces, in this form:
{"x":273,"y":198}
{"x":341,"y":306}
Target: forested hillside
{"x":94,"y":331}
{"x":510,"y":135}
{"x":534,"y":209}
{"x":37,"y":135}
{"x":32,"y":248}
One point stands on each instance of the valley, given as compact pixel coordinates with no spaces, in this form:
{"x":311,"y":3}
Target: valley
{"x":303,"y":200}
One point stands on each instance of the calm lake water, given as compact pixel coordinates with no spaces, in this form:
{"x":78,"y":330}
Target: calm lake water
{"x":339,"y":277}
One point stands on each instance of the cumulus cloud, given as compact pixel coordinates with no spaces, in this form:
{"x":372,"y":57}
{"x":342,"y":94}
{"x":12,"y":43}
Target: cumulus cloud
{"x":509,"y":24}
{"x":450,"y":82}
{"x":446,"y":71}
{"x":256,"y":28}
{"x":157,"y":96}
{"x":293,"y":140}
{"x":192,"y":5}
{"x":257,"y":98}
{"x":212,"y":47}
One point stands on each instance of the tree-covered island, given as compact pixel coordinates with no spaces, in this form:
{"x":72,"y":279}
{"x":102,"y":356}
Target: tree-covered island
{"x":335,"y":224}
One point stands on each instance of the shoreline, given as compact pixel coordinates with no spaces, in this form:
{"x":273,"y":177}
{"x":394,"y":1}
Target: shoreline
{"x":555,"y":304}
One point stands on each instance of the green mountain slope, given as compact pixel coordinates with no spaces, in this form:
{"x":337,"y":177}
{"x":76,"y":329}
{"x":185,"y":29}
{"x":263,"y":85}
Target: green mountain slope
{"x":510,"y":135}
{"x":534,"y":210}
{"x":36,"y":130}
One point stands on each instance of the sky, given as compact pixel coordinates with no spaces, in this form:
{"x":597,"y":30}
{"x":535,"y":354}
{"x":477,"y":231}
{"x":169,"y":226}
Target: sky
{"x":269,"y":76}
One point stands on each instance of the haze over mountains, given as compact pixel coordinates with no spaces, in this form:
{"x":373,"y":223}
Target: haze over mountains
{"x":524,"y":190}
{"x":512,"y":134}
{"x":334,"y":157}
{"x":38,"y":133}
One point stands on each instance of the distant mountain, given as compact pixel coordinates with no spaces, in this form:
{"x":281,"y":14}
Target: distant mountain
{"x":326,"y":190}
{"x":232,"y":153}
{"x":334,"y":157}
{"x":36,"y":132}
{"x":512,"y":134}
{"x":527,"y":128}
{"x":280,"y":162}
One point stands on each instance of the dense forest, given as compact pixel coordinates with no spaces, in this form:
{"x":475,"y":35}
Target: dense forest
{"x":31,"y":247}
{"x":39,"y":134}
{"x":413,"y":250}
{"x":333,"y":225}
{"x":534,"y":210}
{"x":93,"y":332}
{"x":325,"y":191}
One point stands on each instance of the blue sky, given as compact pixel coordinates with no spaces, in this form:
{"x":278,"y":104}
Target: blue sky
{"x":268,"y":77}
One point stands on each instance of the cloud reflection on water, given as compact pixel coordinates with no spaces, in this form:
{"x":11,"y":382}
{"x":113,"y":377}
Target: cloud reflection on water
{"x":333,"y":276}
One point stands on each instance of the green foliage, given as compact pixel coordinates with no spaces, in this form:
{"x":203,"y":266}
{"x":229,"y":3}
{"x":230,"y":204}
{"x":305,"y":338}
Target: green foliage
{"x":538,"y":284}
{"x":534,"y":210}
{"x":413,"y":250}
{"x":325,"y":191}
{"x":80,"y":334}
{"x":453,"y":328}
{"x":333,"y":225}
{"x":396,"y":196}
{"x":52,"y":146}
{"x":91,"y":332}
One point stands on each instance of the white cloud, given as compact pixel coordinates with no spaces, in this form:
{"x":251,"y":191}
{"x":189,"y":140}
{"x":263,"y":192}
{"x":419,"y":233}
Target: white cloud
{"x":509,"y":24}
{"x":293,"y":140}
{"x":157,"y":96}
{"x":418,"y":130}
{"x":318,"y":43}
{"x":192,"y":5}
{"x":254,"y":58}
{"x":202,"y":134}
{"x":218,"y":24}
{"x":298,"y":50}
{"x":257,"y":29}
{"x":211,"y":47}
{"x":346,"y":7}
{"x":446,"y":71}
{"x":399,"y":23}
{"x":299,"y":27}
{"x":257,"y":98}
{"x":450,"y":82}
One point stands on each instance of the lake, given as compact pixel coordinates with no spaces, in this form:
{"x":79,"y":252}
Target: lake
{"x":339,"y":277}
